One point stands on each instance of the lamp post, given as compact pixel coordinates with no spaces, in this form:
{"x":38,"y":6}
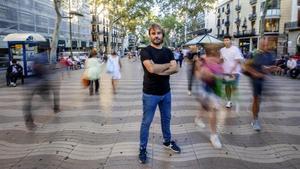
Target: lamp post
{"x":71,"y":15}
{"x":244,"y":27}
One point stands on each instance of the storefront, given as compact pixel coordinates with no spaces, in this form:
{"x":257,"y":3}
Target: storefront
{"x":23,"y":47}
{"x":248,"y":44}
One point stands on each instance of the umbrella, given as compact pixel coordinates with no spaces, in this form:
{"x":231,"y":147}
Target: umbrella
{"x":142,"y":46}
{"x":203,"y":39}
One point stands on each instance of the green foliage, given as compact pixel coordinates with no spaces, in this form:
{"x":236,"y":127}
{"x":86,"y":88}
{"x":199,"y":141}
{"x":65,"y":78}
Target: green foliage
{"x":191,"y":8}
{"x":136,"y":15}
{"x":127,"y":13}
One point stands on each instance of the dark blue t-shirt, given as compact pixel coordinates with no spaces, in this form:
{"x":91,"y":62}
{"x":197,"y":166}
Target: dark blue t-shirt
{"x":261,"y":59}
{"x":156,"y":84}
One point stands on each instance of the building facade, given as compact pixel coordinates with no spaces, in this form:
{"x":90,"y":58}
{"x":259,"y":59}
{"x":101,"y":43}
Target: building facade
{"x":224,"y":10}
{"x":102,"y":32}
{"x":243,"y":19}
{"x":292,"y":29}
{"x":28,"y":16}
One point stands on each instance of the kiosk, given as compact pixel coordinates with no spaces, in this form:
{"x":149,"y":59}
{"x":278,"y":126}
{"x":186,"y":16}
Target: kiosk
{"x":23,"y":47}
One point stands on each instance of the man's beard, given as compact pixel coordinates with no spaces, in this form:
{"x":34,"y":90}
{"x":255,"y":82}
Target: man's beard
{"x":157,"y":43}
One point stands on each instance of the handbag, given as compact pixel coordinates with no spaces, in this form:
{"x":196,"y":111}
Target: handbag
{"x":109,"y":66}
{"x":85,"y":82}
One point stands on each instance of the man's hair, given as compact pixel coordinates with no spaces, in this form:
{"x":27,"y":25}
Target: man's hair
{"x":227,"y":37}
{"x":212,"y":49}
{"x":156,"y":26}
{"x":93,"y":52}
{"x":14,"y":61}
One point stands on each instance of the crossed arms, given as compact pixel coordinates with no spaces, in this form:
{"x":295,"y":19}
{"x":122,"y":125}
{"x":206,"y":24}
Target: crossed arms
{"x":161,"y":69}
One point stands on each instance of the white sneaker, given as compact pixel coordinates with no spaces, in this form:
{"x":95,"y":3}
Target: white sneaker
{"x":256,"y":125}
{"x":229,"y":104}
{"x":215,"y":141}
{"x":199,"y":122}
{"x":189,"y":93}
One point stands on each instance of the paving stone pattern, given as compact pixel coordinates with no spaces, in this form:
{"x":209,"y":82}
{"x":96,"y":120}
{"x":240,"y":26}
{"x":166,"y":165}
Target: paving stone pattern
{"x":102,"y":131}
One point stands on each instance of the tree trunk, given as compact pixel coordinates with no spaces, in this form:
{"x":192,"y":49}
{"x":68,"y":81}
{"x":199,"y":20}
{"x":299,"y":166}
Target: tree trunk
{"x":110,"y":29}
{"x":55,"y":35}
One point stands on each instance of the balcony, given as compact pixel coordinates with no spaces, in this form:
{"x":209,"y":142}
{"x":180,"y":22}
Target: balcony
{"x":221,"y":35}
{"x":252,"y":17}
{"x":219,"y":15}
{"x":252,"y":2}
{"x":246,"y":33}
{"x":227,"y":23}
{"x":238,"y":8}
{"x":272,"y":30}
{"x":273,"y":13}
{"x":292,"y":25}
{"x":237,"y":21}
{"x":227,"y":12}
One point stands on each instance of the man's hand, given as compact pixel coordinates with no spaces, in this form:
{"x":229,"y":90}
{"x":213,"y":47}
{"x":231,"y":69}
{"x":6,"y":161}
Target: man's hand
{"x":171,"y":70}
{"x":253,"y":73}
{"x":155,"y":68}
{"x":269,"y":69}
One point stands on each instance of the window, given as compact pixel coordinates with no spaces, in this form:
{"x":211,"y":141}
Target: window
{"x":11,"y":2}
{"x":223,"y":9}
{"x":274,"y":4}
{"x":51,"y":22}
{"x":5,"y":25}
{"x":26,"y":18}
{"x":254,"y":9}
{"x":298,"y":2}
{"x":262,"y":6}
{"x":272,"y":25}
{"x":41,"y":21}
{"x":8,"y":13}
{"x":4,"y":60}
{"x":222,"y":21}
{"x":228,"y":6}
{"x":27,"y":4}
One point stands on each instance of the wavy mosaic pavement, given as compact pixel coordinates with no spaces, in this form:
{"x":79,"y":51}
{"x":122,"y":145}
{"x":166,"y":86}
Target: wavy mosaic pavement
{"x":102,"y":131}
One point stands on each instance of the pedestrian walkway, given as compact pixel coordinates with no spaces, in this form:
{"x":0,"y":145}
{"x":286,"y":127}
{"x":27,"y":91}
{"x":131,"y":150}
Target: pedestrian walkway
{"x":102,"y":131}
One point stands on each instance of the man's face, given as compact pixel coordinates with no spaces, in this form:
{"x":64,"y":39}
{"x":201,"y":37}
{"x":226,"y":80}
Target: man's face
{"x":227,"y":42}
{"x":264,"y":44}
{"x":156,"y":36}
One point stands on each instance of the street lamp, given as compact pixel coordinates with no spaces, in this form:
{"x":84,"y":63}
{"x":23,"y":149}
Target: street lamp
{"x":71,"y":15}
{"x":244,"y":27}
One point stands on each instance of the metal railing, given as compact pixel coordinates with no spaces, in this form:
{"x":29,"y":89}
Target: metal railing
{"x":252,"y":17}
{"x":227,"y":12}
{"x":245,"y":33}
{"x":292,"y":25}
{"x":238,"y":7}
{"x":252,"y":2}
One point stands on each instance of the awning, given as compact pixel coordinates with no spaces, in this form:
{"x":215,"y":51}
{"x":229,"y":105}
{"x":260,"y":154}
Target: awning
{"x":203,"y":39}
{"x":61,"y":43}
{"x":24,"y":37}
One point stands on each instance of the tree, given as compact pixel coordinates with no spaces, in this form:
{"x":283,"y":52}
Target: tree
{"x":185,"y":10}
{"x":172,"y":26}
{"x":55,"y":35}
{"x":126,"y":13}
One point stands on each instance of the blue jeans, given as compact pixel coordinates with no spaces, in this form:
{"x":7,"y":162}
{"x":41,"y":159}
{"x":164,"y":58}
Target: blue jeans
{"x":150,"y":103}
